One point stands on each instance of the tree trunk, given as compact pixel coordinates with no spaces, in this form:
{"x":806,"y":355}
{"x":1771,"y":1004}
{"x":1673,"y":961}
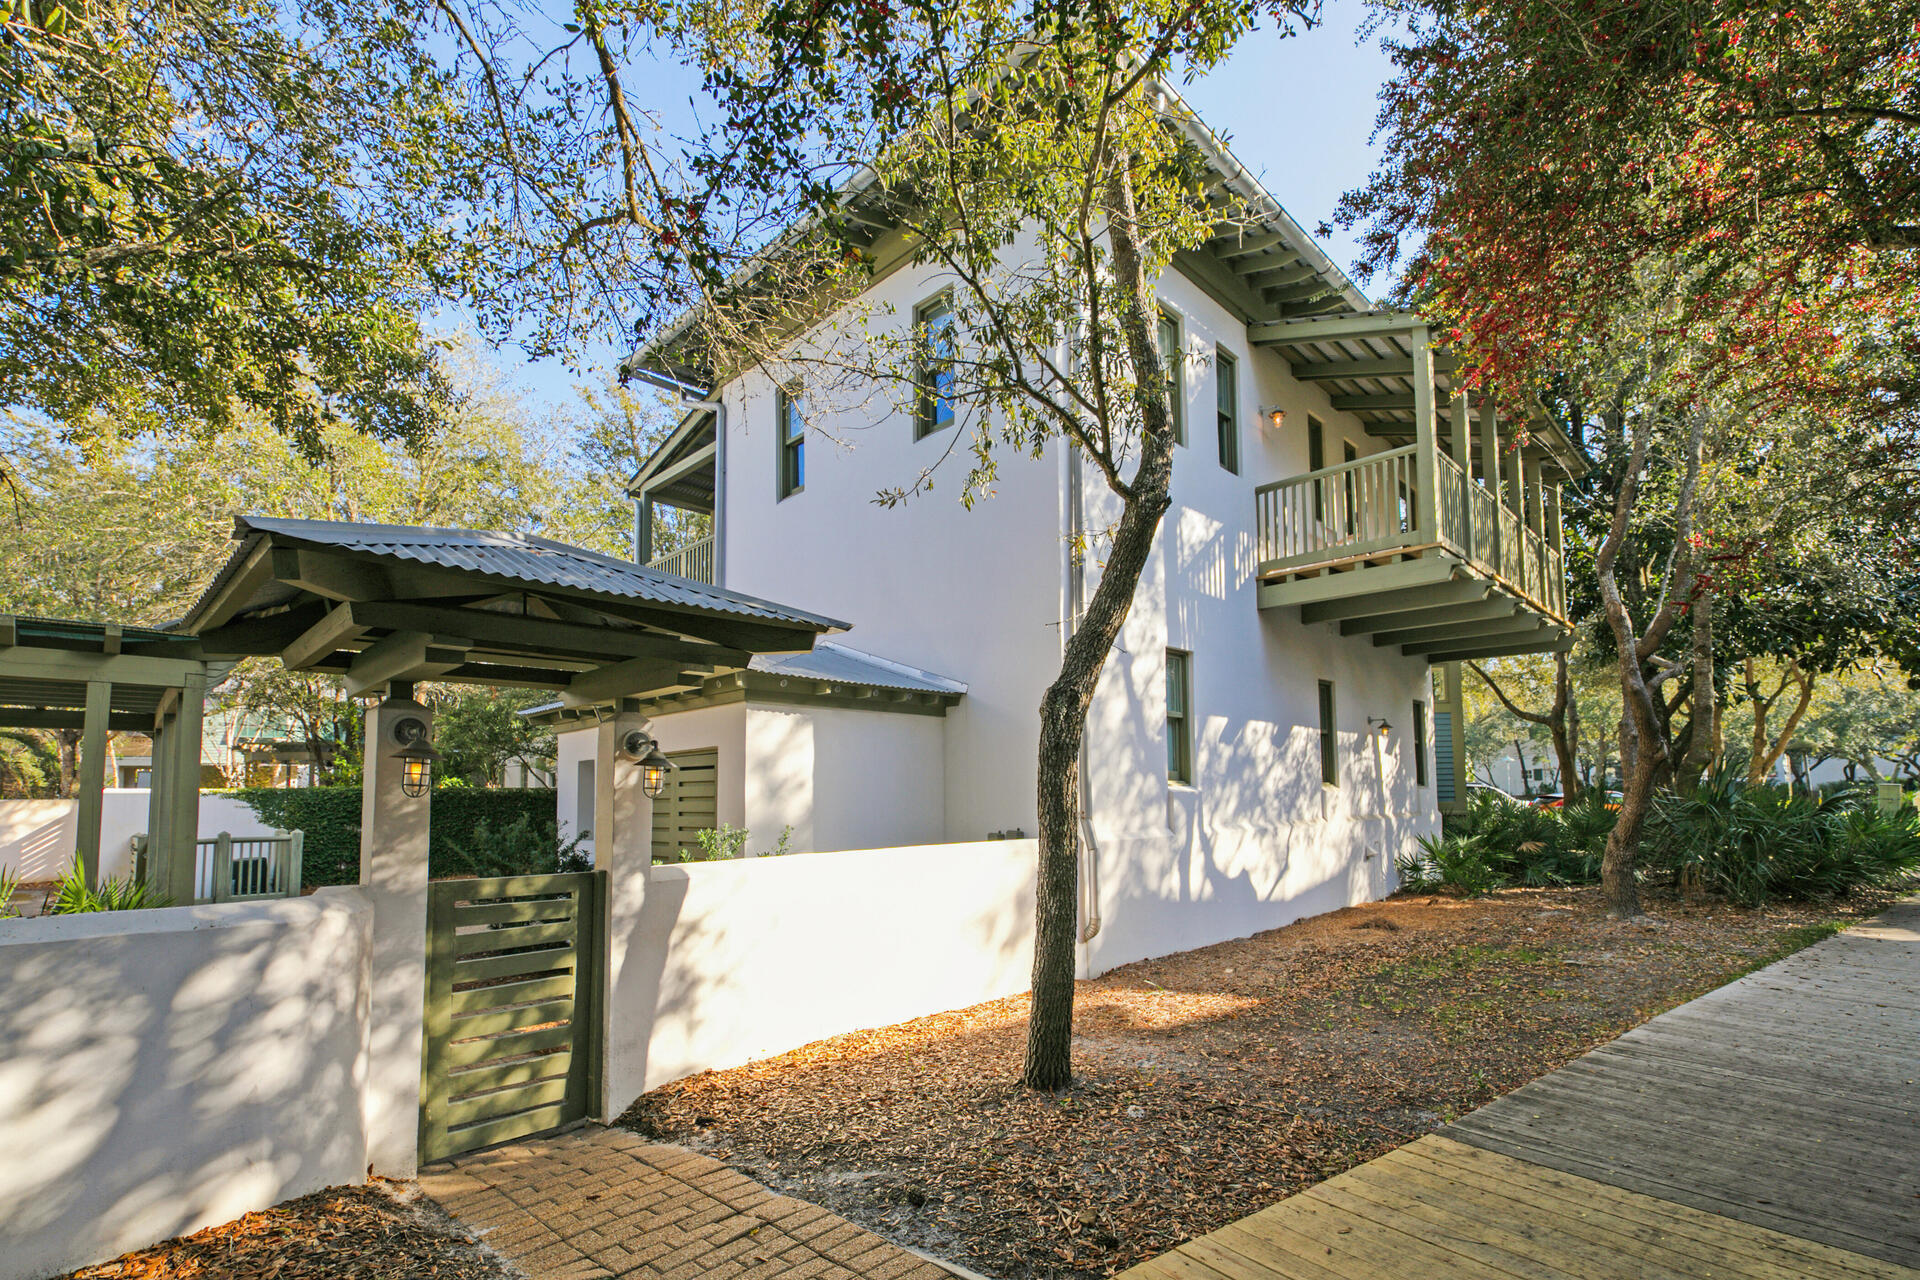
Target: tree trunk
{"x":1063,"y":709}
{"x":1703,"y":729}
{"x":69,"y":760}
{"x":1643,"y":753}
{"x":1564,"y":725}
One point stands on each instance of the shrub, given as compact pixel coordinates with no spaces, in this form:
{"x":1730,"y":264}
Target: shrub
{"x":1752,"y":844}
{"x":330,"y":817}
{"x":74,"y":896}
{"x":520,"y":848}
{"x":9,"y":885}
{"x":1457,"y":861}
{"x":726,"y":841}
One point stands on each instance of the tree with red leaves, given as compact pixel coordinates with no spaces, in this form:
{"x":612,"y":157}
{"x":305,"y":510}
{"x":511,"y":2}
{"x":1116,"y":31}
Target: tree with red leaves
{"x":1541,"y":153}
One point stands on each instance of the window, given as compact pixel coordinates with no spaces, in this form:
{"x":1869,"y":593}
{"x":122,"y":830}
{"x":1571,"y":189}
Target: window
{"x":1348,"y":454}
{"x":1171,"y":362}
{"x":1179,"y":730}
{"x":1317,"y":460}
{"x":1419,"y":744}
{"x":1226,"y":402}
{"x":791,"y":429}
{"x":1329,"y":746}
{"x":933,"y":323}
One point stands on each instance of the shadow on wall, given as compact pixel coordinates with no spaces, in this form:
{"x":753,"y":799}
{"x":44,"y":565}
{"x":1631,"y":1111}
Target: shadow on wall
{"x":733,"y":961}
{"x":173,"y":1069}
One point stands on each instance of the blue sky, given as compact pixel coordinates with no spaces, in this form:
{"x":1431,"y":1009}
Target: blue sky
{"x":1298,"y":112}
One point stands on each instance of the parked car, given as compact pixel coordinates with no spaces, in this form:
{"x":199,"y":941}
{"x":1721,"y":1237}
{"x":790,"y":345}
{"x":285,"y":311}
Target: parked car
{"x":1549,"y":800}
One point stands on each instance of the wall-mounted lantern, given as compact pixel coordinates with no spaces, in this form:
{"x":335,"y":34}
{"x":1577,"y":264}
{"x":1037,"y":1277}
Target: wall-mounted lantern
{"x":407,"y":736}
{"x":1380,"y":726}
{"x":1276,"y":417}
{"x":640,"y":748}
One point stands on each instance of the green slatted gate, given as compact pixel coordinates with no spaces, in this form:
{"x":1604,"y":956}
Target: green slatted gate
{"x":514,"y":967}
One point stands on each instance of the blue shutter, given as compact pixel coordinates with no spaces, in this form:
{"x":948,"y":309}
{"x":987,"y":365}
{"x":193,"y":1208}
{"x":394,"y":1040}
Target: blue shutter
{"x":1443,"y":756}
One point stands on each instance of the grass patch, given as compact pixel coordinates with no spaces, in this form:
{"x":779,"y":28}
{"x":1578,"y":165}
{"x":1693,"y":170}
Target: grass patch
{"x":1788,"y":941}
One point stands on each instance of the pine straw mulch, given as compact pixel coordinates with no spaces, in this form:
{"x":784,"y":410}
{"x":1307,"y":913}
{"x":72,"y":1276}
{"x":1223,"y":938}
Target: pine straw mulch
{"x":383,"y":1231}
{"x":1210,"y":1083}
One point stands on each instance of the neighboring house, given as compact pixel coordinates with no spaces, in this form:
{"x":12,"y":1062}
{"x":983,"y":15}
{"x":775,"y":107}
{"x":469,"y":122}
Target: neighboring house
{"x":1264,"y":730}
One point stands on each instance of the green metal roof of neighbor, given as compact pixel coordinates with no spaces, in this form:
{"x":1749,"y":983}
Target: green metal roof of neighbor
{"x":838,"y":664}
{"x":518,"y":557}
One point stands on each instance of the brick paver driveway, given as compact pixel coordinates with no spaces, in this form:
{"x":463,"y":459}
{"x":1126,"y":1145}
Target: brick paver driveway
{"x":605,"y":1202}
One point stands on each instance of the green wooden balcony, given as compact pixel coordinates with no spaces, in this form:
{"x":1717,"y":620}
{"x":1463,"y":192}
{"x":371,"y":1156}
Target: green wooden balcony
{"x":1447,"y":553}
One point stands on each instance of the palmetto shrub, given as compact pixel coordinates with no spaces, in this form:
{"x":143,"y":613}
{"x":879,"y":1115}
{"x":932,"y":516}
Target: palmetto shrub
{"x":1750,"y":844}
{"x":74,"y":896}
{"x":1747,"y":844}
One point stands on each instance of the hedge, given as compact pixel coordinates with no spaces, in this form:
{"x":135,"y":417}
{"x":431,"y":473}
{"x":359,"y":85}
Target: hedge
{"x":330,"y":817}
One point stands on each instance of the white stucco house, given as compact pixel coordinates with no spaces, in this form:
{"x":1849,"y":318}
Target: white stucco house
{"x":1262,"y":743}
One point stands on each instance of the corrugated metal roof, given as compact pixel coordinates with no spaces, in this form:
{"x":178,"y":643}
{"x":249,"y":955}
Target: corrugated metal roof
{"x":524,"y":558}
{"x":837,"y":663}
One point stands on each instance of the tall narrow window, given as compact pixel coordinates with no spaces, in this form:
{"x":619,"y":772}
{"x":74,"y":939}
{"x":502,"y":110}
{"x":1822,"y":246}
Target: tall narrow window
{"x":791,"y":429}
{"x":1419,"y":744}
{"x":1171,"y":351}
{"x":1226,"y":401}
{"x":1348,"y":454}
{"x":1329,"y":745}
{"x":933,"y":326}
{"x":1317,"y":460}
{"x":1179,"y":723}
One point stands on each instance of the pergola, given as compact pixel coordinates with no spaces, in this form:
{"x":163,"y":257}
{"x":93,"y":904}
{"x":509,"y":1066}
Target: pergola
{"x":101,"y":676}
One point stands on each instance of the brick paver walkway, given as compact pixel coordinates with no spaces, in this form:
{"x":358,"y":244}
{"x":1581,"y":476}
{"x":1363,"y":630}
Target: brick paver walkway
{"x":605,"y":1202}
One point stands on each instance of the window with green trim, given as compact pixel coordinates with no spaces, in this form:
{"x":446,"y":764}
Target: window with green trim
{"x":1329,"y":742}
{"x":933,"y":329}
{"x":1172,"y":363}
{"x":1419,"y":744}
{"x":1316,"y":460}
{"x":791,"y":429}
{"x":1179,"y":720}
{"x":1226,"y":401}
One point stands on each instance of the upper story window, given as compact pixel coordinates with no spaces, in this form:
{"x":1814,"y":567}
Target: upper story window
{"x":791,"y":432}
{"x":1329,"y":742}
{"x":1179,"y":722}
{"x":1172,"y":351}
{"x":933,"y":327}
{"x":1226,"y":400}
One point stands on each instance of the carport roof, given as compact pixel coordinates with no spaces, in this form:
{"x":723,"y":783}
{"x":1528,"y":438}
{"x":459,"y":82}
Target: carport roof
{"x":47,"y":663}
{"x":380,"y":604}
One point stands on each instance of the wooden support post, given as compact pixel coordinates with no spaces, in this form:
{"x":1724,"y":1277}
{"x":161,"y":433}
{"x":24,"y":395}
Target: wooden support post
{"x":183,"y":802}
{"x":1536,"y":500}
{"x":1490,"y":470}
{"x":159,"y":834}
{"x":93,"y":778}
{"x":1426,"y":501}
{"x":643,"y":528}
{"x":1463,"y":454}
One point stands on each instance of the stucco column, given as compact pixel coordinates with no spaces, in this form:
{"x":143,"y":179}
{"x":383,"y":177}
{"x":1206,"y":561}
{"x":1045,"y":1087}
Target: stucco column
{"x":393,"y":875}
{"x":636,"y":942}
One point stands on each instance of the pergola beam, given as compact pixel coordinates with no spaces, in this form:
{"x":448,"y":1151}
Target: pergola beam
{"x":1373,"y":324}
{"x":404,"y":655}
{"x":1381,"y":603}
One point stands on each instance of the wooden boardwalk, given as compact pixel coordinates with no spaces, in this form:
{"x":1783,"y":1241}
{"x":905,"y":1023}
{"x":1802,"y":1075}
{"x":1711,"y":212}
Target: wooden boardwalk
{"x":1769,"y":1129}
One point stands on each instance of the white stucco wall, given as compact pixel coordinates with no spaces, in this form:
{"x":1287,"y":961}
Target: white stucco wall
{"x":37,"y":836}
{"x":740,"y":960}
{"x":163,"y":1071}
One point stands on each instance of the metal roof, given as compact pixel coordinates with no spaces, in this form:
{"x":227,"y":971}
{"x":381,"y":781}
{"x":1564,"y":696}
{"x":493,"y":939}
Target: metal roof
{"x":520,"y":557}
{"x":841,"y":665}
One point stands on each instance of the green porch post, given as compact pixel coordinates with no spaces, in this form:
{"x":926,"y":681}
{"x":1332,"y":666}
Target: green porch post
{"x":183,"y":799}
{"x":1463,"y":455}
{"x":93,"y":777}
{"x":159,"y":834}
{"x":1426,"y":460}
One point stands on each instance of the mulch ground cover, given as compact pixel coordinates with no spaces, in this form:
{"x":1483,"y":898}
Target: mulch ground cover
{"x":382,"y":1231}
{"x":1211,"y":1083}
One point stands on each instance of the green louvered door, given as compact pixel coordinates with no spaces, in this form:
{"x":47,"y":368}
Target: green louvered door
{"x":687,"y":806}
{"x":514,"y":966}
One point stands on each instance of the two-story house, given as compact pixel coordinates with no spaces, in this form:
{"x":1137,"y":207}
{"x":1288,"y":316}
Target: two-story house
{"x":1263,"y":741}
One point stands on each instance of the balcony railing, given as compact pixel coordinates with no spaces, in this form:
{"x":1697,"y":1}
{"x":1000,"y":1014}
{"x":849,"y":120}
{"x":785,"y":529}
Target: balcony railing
{"x":695,"y":561}
{"x":1369,"y":509}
